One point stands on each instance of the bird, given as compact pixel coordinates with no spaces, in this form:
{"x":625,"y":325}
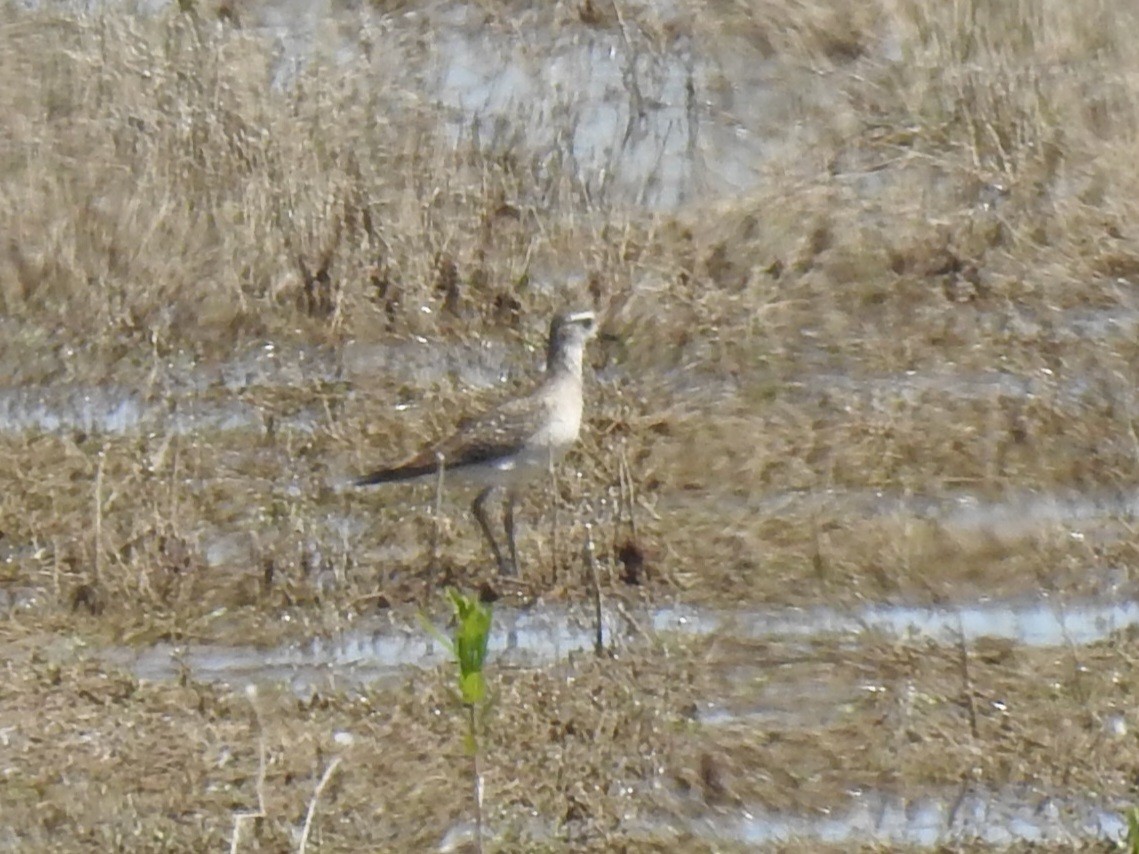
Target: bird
{"x":514,"y":442}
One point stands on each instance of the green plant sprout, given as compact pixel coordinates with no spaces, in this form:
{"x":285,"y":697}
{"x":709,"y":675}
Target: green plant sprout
{"x":469,"y":647}
{"x":1131,"y":843}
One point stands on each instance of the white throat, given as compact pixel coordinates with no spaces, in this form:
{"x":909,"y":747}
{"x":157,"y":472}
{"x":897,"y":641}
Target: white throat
{"x":567,"y":361}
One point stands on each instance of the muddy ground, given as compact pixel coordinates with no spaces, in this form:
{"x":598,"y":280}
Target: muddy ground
{"x":858,"y":468}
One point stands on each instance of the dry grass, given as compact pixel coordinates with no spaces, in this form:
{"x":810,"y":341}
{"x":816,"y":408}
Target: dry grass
{"x":100,"y":760}
{"x":1029,"y":720}
{"x":928,"y":292}
{"x":169,"y":186}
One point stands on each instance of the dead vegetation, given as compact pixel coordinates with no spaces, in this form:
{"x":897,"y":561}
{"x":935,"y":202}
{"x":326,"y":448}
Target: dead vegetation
{"x":926,"y":292}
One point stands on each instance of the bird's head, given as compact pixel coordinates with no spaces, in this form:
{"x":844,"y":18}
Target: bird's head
{"x":569,"y":330}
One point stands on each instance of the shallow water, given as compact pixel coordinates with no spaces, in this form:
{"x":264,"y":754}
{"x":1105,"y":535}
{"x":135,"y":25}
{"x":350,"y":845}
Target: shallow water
{"x":1093,"y":517}
{"x":52,"y":409}
{"x":638,"y":120}
{"x":967,"y":816}
{"x":531,"y":638}
{"x":1033,"y":622}
{"x":184,"y":397}
{"x":187,"y":399}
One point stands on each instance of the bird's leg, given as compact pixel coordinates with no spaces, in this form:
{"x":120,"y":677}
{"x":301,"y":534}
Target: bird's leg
{"x":508,"y":524}
{"x":479,"y":509}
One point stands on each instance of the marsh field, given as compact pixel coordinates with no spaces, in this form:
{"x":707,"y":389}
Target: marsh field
{"x":857,"y":489}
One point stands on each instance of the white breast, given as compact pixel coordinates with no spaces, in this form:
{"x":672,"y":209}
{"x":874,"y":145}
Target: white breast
{"x":564,"y":425}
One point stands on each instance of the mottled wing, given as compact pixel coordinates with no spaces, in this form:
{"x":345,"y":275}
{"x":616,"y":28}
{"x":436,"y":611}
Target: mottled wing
{"x":482,"y":439}
{"x":492,"y":435}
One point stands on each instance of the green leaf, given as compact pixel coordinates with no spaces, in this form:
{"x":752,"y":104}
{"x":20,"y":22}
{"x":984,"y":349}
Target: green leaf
{"x":472,"y":633}
{"x":472,"y":686}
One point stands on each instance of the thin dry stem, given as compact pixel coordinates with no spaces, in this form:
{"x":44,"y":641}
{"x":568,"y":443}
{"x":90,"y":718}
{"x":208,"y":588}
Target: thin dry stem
{"x":437,"y":514}
{"x":242,"y":818}
{"x":476,"y":776}
{"x":595,"y":584}
{"x":967,"y":691}
{"x":628,"y":492}
{"x":555,"y":500}
{"x":310,"y":813}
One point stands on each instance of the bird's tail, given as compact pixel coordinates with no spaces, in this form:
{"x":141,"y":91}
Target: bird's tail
{"x":396,"y":475}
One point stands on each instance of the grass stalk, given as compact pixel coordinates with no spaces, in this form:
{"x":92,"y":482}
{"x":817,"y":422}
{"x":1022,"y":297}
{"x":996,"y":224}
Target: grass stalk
{"x":595,"y":583}
{"x":437,"y":516}
{"x":310,"y":813}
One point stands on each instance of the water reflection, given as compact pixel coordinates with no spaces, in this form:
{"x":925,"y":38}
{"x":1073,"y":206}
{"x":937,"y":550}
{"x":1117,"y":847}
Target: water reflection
{"x":965,"y":817}
{"x":522,"y":637}
{"x":1034,"y":622}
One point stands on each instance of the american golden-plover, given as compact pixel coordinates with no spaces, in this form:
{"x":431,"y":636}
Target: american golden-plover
{"x":514,"y":442}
